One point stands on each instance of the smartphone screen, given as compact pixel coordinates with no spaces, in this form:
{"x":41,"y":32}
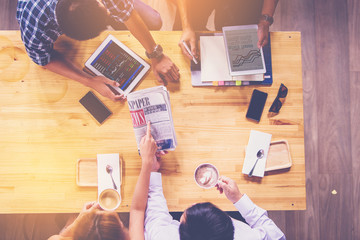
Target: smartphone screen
{"x":95,"y":107}
{"x":256,"y":105}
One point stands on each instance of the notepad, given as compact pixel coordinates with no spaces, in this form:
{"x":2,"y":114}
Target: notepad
{"x":104,"y":178}
{"x":257,"y":140}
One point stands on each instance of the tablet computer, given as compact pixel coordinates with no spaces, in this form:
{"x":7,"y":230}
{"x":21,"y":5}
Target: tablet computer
{"x":243,"y":55}
{"x":117,"y":62}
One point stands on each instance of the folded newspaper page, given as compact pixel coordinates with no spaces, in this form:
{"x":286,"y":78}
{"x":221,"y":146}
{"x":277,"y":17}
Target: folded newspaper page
{"x":153,"y":104}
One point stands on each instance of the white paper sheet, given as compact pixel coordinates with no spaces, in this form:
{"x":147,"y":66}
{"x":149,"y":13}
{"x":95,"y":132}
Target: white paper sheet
{"x":104,"y":178}
{"x":257,"y":140}
{"x":213,"y":59}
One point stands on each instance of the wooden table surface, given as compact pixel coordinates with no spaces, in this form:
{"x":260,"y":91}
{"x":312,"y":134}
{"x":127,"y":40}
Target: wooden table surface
{"x":44,"y":131}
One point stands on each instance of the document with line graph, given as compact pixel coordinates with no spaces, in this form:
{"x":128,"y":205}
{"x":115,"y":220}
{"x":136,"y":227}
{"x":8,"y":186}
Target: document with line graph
{"x":214,"y":66}
{"x":243,"y":55}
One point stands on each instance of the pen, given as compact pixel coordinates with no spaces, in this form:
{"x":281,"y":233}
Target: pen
{"x":189,"y":51}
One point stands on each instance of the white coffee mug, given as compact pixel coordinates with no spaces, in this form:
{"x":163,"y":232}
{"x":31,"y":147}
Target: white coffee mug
{"x":109,"y":199}
{"x":206,"y":175}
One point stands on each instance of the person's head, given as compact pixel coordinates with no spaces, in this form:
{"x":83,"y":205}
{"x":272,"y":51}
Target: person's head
{"x":96,"y":224}
{"x":204,"y":221}
{"x":81,"y":19}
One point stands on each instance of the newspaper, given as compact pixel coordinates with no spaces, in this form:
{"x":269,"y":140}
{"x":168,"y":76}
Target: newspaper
{"x":153,"y":104}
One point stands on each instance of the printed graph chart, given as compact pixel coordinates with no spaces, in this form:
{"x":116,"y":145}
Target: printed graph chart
{"x":250,"y":57}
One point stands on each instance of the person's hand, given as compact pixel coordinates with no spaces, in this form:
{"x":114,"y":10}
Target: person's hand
{"x":99,"y":83}
{"x":87,"y":209}
{"x":263,"y":33}
{"x":189,"y":38}
{"x":89,"y":206}
{"x":148,"y":149}
{"x":157,"y":160}
{"x":164,"y":69}
{"x":230,"y":188}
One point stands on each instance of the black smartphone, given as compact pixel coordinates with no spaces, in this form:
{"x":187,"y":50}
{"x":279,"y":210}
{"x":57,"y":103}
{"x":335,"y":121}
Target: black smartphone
{"x":256,"y":106}
{"x":95,"y":107}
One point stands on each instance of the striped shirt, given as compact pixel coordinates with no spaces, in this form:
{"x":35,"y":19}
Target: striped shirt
{"x":39,"y":28}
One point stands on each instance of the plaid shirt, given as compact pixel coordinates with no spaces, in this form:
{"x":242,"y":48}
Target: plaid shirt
{"x":39,"y":28}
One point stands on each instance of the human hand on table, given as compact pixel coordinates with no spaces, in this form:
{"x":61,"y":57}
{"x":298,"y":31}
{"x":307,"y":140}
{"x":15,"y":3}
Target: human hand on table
{"x":148,"y":151}
{"x":165,"y":70}
{"x":189,"y":37}
{"x":230,"y":188}
{"x":88,"y":208}
{"x":99,"y":83}
{"x":263,"y":33}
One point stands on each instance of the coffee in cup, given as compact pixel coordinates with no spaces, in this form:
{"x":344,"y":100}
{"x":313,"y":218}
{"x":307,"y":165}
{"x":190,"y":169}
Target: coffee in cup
{"x":206,"y":175}
{"x":109,"y":199}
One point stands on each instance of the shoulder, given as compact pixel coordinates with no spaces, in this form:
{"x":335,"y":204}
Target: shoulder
{"x":243,"y":231}
{"x":38,"y":25}
{"x":164,"y":233}
{"x":36,"y":14}
{"x":54,"y":237}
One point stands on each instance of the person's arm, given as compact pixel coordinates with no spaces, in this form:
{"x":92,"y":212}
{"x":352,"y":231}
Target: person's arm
{"x":188,"y":35}
{"x":255,"y":216}
{"x":159,"y":224}
{"x":60,"y":65}
{"x":148,"y":149}
{"x":68,"y":231}
{"x":268,"y":9}
{"x":163,"y":68}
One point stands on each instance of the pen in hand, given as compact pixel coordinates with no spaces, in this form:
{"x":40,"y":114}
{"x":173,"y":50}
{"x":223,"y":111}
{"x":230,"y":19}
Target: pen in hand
{"x":189,"y":51}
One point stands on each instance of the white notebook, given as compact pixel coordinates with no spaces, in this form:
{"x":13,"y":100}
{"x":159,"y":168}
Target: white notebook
{"x":257,"y":140}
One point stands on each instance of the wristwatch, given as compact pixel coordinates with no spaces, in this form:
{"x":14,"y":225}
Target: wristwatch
{"x":267,"y":18}
{"x":156,"y":53}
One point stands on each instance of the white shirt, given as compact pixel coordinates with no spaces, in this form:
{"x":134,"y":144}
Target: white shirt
{"x":159,"y":224}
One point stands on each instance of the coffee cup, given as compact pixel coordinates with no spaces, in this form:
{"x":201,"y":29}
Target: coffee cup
{"x":206,"y":175}
{"x":109,"y":199}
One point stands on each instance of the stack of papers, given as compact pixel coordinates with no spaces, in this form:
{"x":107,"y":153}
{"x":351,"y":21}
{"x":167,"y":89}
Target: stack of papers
{"x":233,"y":56}
{"x":214,"y":64}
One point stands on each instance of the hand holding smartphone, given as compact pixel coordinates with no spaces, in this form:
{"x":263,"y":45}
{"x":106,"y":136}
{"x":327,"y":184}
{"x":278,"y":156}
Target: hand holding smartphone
{"x":256,"y":106}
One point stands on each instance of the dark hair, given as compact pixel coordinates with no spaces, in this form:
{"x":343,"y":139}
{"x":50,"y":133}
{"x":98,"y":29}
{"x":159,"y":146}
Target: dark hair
{"x":81,"y":19}
{"x":100,"y":225}
{"x":204,"y":221}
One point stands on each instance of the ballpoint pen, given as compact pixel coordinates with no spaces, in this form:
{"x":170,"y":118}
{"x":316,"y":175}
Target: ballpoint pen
{"x":189,"y":51}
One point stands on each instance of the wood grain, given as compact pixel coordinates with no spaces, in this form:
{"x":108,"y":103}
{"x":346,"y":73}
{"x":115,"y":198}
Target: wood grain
{"x":8,"y":15}
{"x":17,"y":226}
{"x":333,"y":85}
{"x":356,"y":203}
{"x":354,"y":33}
{"x":355,"y":148}
{"x":298,"y":16}
{"x":309,"y":219}
{"x":336,"y":208}
{"x":45,"y":130}
{"x":355,"y":120}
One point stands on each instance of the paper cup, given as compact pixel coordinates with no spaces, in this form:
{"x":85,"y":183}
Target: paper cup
{"x":206,"y":175}
{"x":109,"y":199}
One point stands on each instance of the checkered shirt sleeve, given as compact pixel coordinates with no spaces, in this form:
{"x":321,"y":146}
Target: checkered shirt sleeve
{"x":119,"y":9}
{"x":38,"y":27}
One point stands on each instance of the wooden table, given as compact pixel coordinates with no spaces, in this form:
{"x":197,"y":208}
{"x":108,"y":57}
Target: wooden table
{"x":44,"y":131}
